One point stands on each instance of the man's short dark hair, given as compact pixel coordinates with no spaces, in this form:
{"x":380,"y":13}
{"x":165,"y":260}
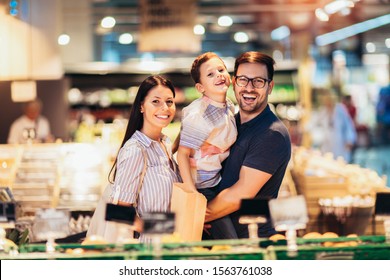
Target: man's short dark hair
{"x":256,"y":57}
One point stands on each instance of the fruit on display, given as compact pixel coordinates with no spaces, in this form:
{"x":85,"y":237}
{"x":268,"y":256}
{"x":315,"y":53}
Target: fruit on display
{"x":277,"y":237}
{"x":94,"y":240}
{"x":330,"y":235}
{"x":312,"y":235}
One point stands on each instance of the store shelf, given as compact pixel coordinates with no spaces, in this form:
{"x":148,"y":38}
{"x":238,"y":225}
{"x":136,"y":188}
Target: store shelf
{"x":66,"y":175}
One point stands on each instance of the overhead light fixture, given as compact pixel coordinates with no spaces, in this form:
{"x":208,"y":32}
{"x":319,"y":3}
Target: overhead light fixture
{"x":352,"y":30}
{"x":199,"y":29}
{"x":370,"y":47}
{"x":337,"y":6}
{"x":108,"y":22}
{"x":387,"y":43}
{"x":63,"y":39}
{"x":343,"y":7}
{"x":125,"y":39}
{"x":241,"y":37}
{"x":321,"y":15}
{"x":280,"y":33}
{"x":225,"y":21}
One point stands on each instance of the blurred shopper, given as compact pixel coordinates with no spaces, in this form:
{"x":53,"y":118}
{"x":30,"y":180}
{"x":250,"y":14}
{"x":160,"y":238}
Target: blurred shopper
{"x":208,"y":129}
{"x":383,"y":115}
{"x":259,"y":157}
{"x":31,"y":127}
{"x":144,"y":171}
{"x":331,"y":127}
{"x":351,"y":108}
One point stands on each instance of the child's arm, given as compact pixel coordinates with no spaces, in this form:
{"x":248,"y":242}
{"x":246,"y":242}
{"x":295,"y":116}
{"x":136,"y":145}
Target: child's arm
{"x":183,"y":159}
{"x":175,"y":145}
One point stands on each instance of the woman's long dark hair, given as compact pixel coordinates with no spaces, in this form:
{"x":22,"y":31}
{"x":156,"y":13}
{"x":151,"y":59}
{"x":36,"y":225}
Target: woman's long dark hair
{"x":136,"y":120}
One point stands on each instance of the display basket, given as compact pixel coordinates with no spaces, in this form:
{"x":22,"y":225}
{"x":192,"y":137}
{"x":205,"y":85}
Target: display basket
{"x":342,"y":248}
{"x":241,"y":249}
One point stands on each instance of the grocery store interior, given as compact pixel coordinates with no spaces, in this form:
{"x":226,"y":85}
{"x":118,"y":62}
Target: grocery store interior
{"x":85,"y":60}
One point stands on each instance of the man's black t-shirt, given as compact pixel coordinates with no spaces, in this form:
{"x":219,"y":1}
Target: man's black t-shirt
{"x":263,"y":143}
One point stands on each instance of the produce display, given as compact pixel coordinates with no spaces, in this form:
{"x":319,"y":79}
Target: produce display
{"x":336,"y":192}
{"x":325,"y":246}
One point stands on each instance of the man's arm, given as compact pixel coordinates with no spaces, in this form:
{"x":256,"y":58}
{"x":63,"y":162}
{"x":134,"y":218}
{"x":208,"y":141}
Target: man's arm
{"x":227,"y":201}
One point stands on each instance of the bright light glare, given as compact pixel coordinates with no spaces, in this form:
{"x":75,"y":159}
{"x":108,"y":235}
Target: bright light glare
{"x":338,"y":5}
{"x":199,"y":29}
{"x":352,"y":30}
{"x":370,"y":47}
{"x":63,"y":39}
{"x":280,"y":33}
{"x":241,"y":37}
{"x":125,"y":39}
{"x":225,"y":21}
{"x":108,"y":22}
{"x":321,"y":15}
{"x":387,"y":43}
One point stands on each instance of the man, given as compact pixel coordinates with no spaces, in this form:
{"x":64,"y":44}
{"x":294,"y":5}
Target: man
{"x":258,"y":159}
{"x":383,"y":115}
{"x":31,"y":126}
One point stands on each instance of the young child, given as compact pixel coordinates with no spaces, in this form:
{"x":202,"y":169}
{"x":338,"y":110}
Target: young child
{"x":208,"y":129}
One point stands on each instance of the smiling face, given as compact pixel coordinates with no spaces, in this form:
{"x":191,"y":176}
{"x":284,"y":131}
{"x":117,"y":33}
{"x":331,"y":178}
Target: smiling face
{"x":214,"y":79}
{"x":252,"y":101}
{"x":158,"y":110}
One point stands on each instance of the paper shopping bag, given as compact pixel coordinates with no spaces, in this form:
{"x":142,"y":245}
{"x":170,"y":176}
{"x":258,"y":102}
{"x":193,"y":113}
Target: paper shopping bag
{"x":189,"y":207}
{"x":112,"y":232}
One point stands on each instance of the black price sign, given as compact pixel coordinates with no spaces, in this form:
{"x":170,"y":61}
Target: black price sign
{"x":158,"y":223}
{"x":120,"y":213}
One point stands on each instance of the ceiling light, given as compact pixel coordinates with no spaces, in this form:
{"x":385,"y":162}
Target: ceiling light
{"x":225,"y":21}
{"x":63,"y":39}
{"x":370,"y":47}
{"x":343,"y":33}
{"x":199,"y":29}
{"x":387,"y":43}
{"x":337,"y":6}
{"x":125,"y":39}
{"x":108,"y":22}
{"x":280,"y":33}
{"x":321,"y":15}
{"x":241,"y":37}
{"x":345,"y":12}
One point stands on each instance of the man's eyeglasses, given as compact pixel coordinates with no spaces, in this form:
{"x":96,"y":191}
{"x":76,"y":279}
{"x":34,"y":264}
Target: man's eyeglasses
{"x":257,"y":82}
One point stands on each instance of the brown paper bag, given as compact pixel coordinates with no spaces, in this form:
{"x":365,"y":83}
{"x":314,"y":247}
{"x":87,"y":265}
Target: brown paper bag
{"x":189,"y":207}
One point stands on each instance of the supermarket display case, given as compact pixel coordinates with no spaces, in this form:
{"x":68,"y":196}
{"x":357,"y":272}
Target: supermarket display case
{"x":58,"y":175}
{"x":340,"y":197}
{"x":340,"y":248}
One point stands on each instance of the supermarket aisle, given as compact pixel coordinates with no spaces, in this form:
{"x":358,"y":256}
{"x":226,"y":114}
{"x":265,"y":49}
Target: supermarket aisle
{"x":376,"y":158}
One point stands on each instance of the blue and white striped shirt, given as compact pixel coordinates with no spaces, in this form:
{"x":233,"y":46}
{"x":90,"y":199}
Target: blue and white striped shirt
{"x":156,"y":190}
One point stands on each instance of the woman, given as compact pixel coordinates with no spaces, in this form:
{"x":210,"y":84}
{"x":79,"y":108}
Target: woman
{"x":153,"y":109}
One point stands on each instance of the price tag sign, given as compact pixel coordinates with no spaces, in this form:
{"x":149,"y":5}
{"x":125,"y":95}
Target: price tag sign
{"x":120,"y":213}
{"x":7,"y":206}
{"x":289,"y":212}
{"x":254,"y":211}
{"x":382,"y":205}
{"x":158,"y":223}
